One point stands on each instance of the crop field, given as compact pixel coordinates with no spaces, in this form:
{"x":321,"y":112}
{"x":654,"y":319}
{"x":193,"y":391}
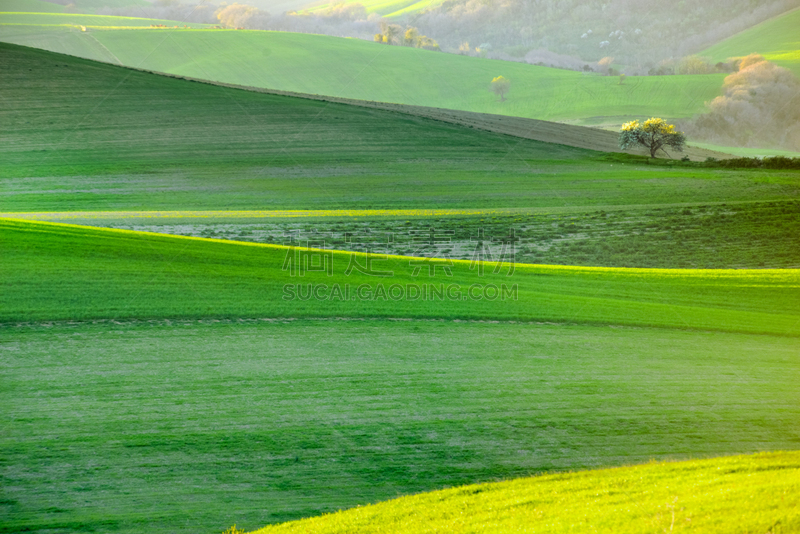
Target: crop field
{"x":777,"y":39}
{"x":386,"y":8}
{"x":367,"y":71}
{"x":741,"y":235}
{"x":277,"y":152}
{"x":79,"y":19}
{"x":31,"y":6}
{"x":193,"y":426}
{"x":335,"y":321}
{"x":124,"y":274}
{"x":715,"y":496}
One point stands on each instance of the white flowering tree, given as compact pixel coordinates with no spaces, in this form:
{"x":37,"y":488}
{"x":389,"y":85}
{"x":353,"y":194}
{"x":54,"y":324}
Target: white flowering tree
{"x":654,"y":134}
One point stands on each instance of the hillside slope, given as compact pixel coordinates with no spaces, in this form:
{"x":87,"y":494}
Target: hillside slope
{"x":362,"y":70}
{"x":73,"y":272}
{"x":756,"y":493}
{"x":124,"y":136}
{"x":777,"y":39}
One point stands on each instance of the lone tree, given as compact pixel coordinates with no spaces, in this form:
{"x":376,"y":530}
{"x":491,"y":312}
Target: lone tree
{"x":500,"y":87}
{"x":654,"y":134}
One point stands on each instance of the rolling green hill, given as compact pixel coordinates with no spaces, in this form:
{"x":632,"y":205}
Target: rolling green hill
{"x":186,"y":427}
{"x":363,"y":70}
{"x":45,"y":20}
{"x":122,"y":138}
{"x":206,"y":399}
{"x":211,"y":278}
{"x":778,"y":40}
{"x":30,"y":6}
{"x":158,"y":383}
{"x":715,"y":496}
{"x":387,"y":8}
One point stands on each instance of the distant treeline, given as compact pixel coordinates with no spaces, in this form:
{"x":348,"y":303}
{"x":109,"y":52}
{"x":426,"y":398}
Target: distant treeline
{"x":640,"y":33}
{"x":647,"y":36}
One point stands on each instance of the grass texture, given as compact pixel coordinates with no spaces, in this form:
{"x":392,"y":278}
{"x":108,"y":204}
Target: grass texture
{"x":87,"y":136}
{"x":30,"y":6}
{"x":87,"y":20}
{"x":59,"y":272}
{"x":756,"y":493}
{"x":185,"y":426}
{"x":748,"y":235}
{"x":364,"y":70}
{"x":776,"y":39}
{"x":387,"y":8}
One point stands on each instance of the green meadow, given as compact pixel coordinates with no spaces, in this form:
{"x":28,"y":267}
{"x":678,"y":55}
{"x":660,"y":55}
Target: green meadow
{"x":743,"y":235}
{"x":777,"y":39}
{"x":186,"y":426}
{"x":129,"y":275}
{"x":186,"y":383}
{"x":368,"y":71}
{"x":717,"y":496}
{"x":31,"y":6}
{"x":387,"y":8}
{"x":123,"y":138}
{"x":79,"y":19}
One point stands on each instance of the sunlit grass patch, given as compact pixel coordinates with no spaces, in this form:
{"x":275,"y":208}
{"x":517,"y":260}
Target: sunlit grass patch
{"x":759,"y":493}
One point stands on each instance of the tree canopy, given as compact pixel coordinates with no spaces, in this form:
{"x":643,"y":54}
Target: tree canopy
{"x":654,"y":134}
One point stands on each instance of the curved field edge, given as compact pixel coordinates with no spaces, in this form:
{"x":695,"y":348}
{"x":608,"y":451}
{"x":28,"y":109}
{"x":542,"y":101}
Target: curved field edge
{"x":298,"y":63}
{"x":499,"y":122}
{"x":56,"y":271}
{"x":753,"y":493}
{"x":776,"y":39}
{"x":789,"y":276}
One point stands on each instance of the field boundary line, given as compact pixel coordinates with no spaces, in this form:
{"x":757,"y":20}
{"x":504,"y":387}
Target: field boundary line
{"x":700,"y":273}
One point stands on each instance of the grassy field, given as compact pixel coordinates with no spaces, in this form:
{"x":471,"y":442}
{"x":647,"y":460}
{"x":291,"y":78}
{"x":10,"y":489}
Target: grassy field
{"x":743,"y":235}
{"x":193,"y":426}
{"x":104,"y":274}
{"x":715,"y":496}
{"x":88,"y":136}
{"x":164,"y":383}
{"x":367,"y":71}
{"x":386,"y":8}
{"x":28,"y":20}
{"x":30,"y":6}
{"x":777,"y":39}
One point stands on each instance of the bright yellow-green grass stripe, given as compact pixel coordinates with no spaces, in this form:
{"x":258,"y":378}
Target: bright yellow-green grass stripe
{"x":246,"y":214}
{"x":777,"y":39}
{"x":752,"y":493}
{"x":57,"y":271}
{"x":389,"y":8}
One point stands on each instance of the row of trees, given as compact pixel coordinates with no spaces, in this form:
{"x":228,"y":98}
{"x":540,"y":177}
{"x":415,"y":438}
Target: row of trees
{"x":393,"y":34}
{"x":636,"y":32}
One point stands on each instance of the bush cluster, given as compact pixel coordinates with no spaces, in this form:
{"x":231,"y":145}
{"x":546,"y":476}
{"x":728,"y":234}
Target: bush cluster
{"x":776,"y":162}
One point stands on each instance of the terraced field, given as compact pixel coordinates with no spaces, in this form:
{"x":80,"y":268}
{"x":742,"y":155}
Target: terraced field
{"x":777,"y":40}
